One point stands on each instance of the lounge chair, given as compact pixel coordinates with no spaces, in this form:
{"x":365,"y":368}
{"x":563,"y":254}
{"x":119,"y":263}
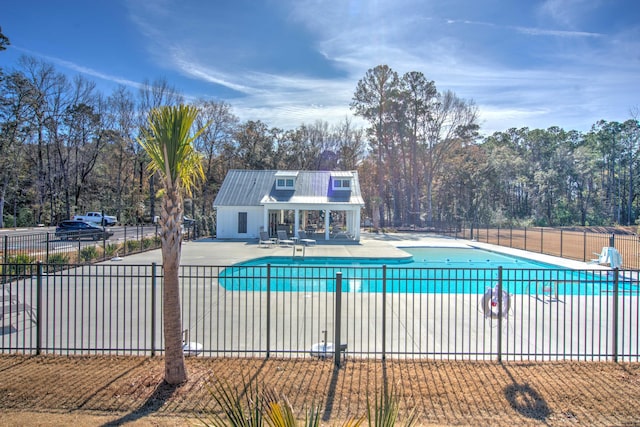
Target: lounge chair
{"x":283,"y":239}
{"x":304,"y":239}
{"x":265,"y":241}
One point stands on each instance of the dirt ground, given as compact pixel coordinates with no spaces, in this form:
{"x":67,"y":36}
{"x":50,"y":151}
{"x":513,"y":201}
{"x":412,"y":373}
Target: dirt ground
{"x":113,"y":391}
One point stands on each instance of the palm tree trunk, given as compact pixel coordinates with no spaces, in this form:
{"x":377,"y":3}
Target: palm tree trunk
{"x":175,"y":370}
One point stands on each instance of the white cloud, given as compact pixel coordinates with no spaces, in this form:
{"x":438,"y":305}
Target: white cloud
{"x":357,"y":35}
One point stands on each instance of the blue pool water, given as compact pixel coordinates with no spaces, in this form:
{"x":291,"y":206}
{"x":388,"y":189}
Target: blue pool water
{"x":427,"y":270}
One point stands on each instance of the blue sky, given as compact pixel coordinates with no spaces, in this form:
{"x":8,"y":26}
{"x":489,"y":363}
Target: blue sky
{"x":525,"y":63}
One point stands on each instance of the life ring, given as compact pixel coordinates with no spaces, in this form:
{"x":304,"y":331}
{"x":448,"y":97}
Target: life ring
{"x":490,"y":303}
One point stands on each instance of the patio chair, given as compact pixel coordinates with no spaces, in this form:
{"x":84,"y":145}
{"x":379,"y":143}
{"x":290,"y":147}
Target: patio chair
{"x":609,"y":255}
{"x":304,"y":239}
{"x":283,"y":239}
{"x":265,"y":240}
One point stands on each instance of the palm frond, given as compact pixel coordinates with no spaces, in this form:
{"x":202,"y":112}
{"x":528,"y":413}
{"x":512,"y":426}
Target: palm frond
{"x":169,"y":144}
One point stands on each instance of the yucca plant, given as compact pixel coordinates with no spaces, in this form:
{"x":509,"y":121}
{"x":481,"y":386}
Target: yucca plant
{"x":259,"y":408}
{"x":385,"y":411}
{"x":132,"y":246}
{"x":237,"y":413}
{"x":147,"y":243}
{"x":266,"y":408}
{"x":88,"y":253}
{"x":111,"y":249}
{"x":56,"y":262}
{"x":18,"y":265}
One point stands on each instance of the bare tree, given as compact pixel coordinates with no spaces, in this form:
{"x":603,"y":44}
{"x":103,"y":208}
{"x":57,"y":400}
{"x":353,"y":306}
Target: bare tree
{"x":121,"y":108}
{"x":48,"y":90}
{"x":453,"y":121}
{"x":219,"y":124}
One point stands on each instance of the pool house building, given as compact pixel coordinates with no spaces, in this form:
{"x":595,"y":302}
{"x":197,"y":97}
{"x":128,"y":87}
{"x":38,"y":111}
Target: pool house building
{"x":325,"y":204}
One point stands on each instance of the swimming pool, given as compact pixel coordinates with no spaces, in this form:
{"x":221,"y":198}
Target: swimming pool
{"x":424,"y":270}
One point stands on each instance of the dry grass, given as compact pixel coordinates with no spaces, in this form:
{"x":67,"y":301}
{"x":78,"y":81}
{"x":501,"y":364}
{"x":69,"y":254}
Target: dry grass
{"x":100,"y":390}
{"x":576,"y":245}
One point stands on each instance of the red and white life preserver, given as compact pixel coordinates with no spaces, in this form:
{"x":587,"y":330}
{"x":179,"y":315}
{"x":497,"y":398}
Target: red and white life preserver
{"x":490,"y":303}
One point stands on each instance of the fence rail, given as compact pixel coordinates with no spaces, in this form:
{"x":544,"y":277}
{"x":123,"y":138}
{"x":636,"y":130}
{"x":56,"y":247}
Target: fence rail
{"x":387,"y":312}
{"x":49,"y":249}
{"x":578,"y":245}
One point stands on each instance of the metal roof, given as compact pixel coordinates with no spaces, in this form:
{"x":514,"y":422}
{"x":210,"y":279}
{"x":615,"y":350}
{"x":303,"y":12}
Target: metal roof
{"x":256,"y":188}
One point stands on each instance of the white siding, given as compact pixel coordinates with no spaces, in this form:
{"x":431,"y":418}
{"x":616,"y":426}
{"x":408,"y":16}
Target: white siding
{"x":227,"y":222}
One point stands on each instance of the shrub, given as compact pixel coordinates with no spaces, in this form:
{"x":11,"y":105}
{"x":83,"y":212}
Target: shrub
{"x":111,"y":249}
{"x":56,"y":262}
{"x":18,"y":265}
{"x":89,"y":253}
{"x":132,"y":245}
{"x":261,"y":408}
{"x":148,"y":242}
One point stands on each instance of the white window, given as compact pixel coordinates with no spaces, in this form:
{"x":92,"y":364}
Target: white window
{"x":285,"y":183}
{"x":341,"y":184}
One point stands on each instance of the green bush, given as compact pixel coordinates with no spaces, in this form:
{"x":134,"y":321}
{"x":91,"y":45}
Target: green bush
{"x":56,"y":262}
{"x":89,"y":253}
{"x":111,"y":250}
{"x":132,"y":245}
{"x":18,"y":265}
{"x":148,"y":243}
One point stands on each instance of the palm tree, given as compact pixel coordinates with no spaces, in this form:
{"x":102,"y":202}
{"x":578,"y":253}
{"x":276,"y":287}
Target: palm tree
{"x":169,"y":144}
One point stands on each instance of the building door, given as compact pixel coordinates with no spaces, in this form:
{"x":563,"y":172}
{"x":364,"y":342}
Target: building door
{"x":273,"y":223}
{"x":242,"y":223}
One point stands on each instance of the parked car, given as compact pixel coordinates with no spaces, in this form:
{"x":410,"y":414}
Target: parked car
{"x":97,"y":218}
{"x":74,"y":229}
{"x":188,"y":222}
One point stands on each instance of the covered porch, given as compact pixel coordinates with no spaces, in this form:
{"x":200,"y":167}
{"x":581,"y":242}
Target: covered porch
{"x":320,"y":222}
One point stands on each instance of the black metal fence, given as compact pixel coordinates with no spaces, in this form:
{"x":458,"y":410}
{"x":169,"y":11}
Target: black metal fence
{"x":369,"y":312}
{"x":50,"y":249}
{"x":580,"y":245}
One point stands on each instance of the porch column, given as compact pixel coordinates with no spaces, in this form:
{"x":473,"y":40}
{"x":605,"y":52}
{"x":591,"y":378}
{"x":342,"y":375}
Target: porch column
{"x":356,"y":234}
{"x":265,"y":218}
{"x":327,"y":213}
{"x":296,"y":222}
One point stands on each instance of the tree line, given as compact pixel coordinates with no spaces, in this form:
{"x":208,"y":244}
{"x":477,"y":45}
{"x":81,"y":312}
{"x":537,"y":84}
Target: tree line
{"x":65,"y":147}
{"x":426,"y":162}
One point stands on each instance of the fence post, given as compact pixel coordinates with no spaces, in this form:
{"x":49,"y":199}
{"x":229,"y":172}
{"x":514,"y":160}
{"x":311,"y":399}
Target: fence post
{"x":46,"y":256}
{"x":153,"y":308}
{"x":541,"y":240}
{"x":525,"y":238}
{"x":268,"y":310}
{"x":338,"y":315}
{"x":125,"y":240}
{"x":615,"y":315}
{"x":561,"y":242}
{"x":384,"y":311}
{"x":5,"y":253}
{"x":498,"y":235}
{"x":39,"y":309}
{"x":500,"y":311}
{"x":584,"y":246}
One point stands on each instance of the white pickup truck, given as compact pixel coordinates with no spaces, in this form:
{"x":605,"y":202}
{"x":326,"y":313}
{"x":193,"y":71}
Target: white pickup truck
{"x":97,"y":218}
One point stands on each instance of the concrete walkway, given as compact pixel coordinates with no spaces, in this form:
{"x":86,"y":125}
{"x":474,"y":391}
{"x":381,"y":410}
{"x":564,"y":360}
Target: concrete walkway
{"x":228,"y":252}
